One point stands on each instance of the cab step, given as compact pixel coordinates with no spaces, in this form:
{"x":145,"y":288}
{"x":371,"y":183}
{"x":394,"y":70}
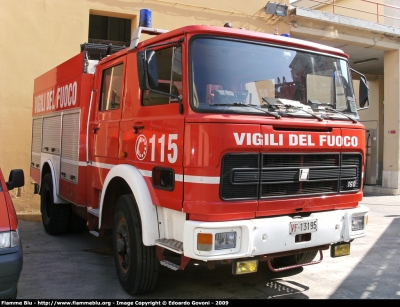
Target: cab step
{"x":171,"y":244}
{"x":95,"y":233}
{"x":174,"y":246}
{"x":169,"y":265}
{"x":94,"y":211}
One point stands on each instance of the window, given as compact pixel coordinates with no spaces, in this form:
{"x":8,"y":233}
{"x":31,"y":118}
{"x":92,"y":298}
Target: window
{"x":241,"y":77}
{"x":169,"y":66}
{"x":111,"y":87}
{"x":104,"y":29}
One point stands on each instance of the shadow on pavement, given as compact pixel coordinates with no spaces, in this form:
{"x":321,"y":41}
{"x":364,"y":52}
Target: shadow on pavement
{"x":196,"y":281}
{"x":376,"y":276}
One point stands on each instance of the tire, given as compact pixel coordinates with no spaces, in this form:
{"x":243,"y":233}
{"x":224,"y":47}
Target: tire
{"x":76,"y":223}
{"x":55,"y":217}
{"x":301,"y":258}
{"x":136,"y":264}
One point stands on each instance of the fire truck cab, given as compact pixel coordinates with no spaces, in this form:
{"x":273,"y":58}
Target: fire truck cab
{"x":211,"y":143}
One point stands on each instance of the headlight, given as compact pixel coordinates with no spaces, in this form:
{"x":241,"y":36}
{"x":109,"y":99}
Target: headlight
{"x":217,"y":241}
{"x":225,"y":240}
{"x":9,"y":239}
{"x":357,"y":222}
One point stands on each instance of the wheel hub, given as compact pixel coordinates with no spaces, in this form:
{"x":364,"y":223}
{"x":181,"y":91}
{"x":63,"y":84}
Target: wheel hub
{"x":123,"y":245}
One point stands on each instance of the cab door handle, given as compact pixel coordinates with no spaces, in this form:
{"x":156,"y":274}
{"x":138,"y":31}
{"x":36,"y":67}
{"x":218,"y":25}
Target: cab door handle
{"x":137,"y":128}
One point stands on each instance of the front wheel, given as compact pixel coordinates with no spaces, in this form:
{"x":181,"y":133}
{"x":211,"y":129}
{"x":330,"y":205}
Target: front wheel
{"x":137,"y":265}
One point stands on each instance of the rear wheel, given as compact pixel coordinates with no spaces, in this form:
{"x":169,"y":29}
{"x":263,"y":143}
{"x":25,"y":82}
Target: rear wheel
{"x":301,"y":258}
{"x":137,"y":265}
{"x":55,"y":217}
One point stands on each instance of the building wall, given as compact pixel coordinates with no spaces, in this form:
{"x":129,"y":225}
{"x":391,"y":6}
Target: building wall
{"x":391,"y":165}
{"x":392,"y":10}
{"x":383,"y":118}
{"x":37,"y":35}
{"x":355,"y":8}
{"x":372,"y":119}
{"x":379,"y":11}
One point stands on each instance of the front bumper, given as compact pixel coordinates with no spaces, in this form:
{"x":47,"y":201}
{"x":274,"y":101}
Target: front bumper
{"x":10,"y":269}
{"x":271,"y":235}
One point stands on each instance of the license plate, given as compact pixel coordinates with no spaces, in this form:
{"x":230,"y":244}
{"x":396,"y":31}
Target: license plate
{"x":303,"y":226}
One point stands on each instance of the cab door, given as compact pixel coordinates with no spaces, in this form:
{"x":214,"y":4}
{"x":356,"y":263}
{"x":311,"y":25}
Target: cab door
{"x":156,"y":138}
{"x":108,"y":100}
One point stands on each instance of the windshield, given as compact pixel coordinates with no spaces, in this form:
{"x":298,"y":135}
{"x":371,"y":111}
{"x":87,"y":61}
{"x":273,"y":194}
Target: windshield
{"x":242,"y":77}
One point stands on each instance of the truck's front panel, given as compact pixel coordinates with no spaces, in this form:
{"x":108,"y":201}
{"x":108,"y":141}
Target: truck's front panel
{"x":273,"y":133}
{"x":264,"y":236}
{"x":240,"y":176}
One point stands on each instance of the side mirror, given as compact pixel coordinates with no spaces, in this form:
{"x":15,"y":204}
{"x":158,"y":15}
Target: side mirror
{"x":16,"y":179}
{"x":363,"y":91}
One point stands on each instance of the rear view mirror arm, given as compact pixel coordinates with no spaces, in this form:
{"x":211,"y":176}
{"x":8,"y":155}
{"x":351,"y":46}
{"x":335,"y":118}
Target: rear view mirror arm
{"x":363,"y":91}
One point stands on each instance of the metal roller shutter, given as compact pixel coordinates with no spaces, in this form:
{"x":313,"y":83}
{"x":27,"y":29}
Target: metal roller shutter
{"x":51,"y":134}
{"x":70,"y":147}
{"x":36,"y":142}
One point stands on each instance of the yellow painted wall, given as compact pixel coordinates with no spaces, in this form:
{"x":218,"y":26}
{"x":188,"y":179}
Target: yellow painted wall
{"x":372,"y":119}
{"x":392,"y":111}
{"x":36,"y":35}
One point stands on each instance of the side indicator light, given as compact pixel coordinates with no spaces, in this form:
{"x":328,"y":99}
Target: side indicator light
{"x":123,"y":154}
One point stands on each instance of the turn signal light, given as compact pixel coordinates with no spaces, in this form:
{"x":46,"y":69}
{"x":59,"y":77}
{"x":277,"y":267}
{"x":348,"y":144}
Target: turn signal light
{"x":204,"y":241}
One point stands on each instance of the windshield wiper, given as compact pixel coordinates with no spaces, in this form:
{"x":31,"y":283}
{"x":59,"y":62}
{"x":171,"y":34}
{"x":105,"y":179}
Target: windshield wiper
{"x":245,"y":105}
{"x":341,"y":113}
{"x":276,"y":103}
{"x":305,"y":111}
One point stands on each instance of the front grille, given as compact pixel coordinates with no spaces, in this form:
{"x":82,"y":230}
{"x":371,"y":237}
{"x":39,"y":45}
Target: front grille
{"x":239,"y":167}
{"x":295,"y":188}
{"x":288,"y":160}
{"x":264,"y":176}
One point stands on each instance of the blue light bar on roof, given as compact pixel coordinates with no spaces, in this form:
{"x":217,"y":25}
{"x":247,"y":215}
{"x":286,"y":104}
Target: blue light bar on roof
{"x":145,"y":18}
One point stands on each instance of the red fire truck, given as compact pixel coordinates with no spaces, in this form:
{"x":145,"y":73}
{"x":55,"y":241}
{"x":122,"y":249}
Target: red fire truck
{"x":204,"y":142}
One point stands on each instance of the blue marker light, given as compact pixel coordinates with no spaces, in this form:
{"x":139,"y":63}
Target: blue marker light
{"x":285,"y":34}
{"x":145,"y":18}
